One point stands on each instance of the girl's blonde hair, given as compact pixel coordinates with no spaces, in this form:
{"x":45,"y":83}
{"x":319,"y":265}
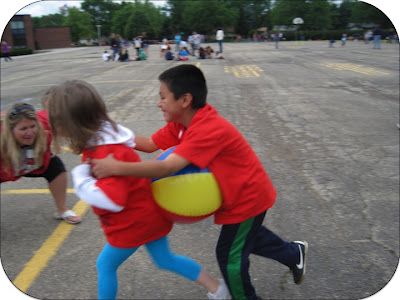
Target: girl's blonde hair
{"x":76,"y":113}
{"x":10,"y":149}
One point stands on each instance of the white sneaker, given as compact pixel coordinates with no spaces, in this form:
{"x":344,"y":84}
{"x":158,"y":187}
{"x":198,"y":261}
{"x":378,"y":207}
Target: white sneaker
{"x":222,"y":292}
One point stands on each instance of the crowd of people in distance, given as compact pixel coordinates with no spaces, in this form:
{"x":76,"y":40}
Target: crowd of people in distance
{"x":178,"y":49}
{"x":183,"y":49}
{"x":119,"y":49}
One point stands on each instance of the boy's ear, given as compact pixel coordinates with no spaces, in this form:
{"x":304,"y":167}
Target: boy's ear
{"x":187,"y":100}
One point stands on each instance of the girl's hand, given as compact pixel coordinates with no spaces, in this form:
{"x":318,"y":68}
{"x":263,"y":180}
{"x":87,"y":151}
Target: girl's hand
{"x":105,"y":167}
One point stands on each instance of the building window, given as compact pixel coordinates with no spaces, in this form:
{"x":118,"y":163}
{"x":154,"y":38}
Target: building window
{"x":18,"y":34}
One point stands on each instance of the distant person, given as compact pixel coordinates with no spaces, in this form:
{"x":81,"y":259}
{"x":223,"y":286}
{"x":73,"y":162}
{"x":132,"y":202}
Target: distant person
{"x":276,"y":38}
{"x":137,"y":43}
{"x":202,"y":53}
{"x":196,"y":42}
{"x":209,"y":52}
{"x":178,"y":39}
{"x":123,"y":55}
{"x":220,"y":39}
{"x":114,"y":45}
{"x":183,"y":54}
{"x":115,"y":52}
{"x":377,"y":36}
{"x":164,"y":47}
{"x":331,"y":42}
{"x":106,"y":56}
{"x":343,"y":39}
{"x":191,"y":43}
{"x":142,"y":55}
{"x":168,"y":54}
{"x":145,"y":46}
{"x":368,"y":36}
{"x":5,"y":50}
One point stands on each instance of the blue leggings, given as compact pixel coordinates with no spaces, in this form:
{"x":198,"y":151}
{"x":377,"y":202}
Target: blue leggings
{"x":111,"y":258}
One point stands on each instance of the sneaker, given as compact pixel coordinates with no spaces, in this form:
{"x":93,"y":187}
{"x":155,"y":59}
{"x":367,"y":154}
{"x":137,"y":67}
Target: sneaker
{"x":299,"y":270}
{"x":221,"y":293}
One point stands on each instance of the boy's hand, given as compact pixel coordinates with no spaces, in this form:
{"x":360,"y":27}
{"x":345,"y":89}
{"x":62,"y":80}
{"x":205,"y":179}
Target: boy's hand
{"x":105,"y":167}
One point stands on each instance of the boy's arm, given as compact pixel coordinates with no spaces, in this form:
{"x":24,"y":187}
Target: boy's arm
{"x":152,"y":168}
{"x":145,"y":144}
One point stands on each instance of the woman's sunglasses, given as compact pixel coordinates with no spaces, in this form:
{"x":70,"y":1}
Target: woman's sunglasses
{"x":19,"y":109}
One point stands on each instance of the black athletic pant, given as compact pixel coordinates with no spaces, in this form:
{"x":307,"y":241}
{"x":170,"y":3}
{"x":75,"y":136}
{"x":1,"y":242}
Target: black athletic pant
{"x":237,"y":241}
{"x":55,"y":168}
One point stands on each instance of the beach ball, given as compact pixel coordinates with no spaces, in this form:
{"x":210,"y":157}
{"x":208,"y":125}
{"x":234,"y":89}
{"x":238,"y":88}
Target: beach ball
{"x":187,"y":196}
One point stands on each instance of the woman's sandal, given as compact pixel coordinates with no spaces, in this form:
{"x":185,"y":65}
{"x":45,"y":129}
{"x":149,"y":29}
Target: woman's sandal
{"x":69,"y":217}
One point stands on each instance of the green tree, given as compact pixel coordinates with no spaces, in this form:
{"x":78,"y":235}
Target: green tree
{"x":138,"y":18}
{"x":335,"y":16}
{"x":80,"y":24}
{"x":101,"y":12}
{"x":251,"y":14}
{"x":198,"y":17}
{"x":52,"y":20}
{"x":345,"y":12}
{"x":318,"y":15}
{"x":175,"y":10}
{"x":362,"y":12}
{"x":284,"y":11}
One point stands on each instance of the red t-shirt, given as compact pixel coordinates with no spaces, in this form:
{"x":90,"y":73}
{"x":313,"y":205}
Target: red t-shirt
{"x":211,"y":141}
{"x":141,"y":220}
{"x":8,"y":175}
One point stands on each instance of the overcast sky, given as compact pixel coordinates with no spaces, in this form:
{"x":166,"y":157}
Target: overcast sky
{"x":47,"y":7}
{"x":41,"y":8}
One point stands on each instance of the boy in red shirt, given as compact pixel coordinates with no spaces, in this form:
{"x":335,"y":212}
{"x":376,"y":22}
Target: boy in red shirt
{"x":204,"y":138}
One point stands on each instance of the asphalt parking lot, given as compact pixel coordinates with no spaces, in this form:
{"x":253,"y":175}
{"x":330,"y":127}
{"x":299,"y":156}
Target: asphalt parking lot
{"x":323,"y":122}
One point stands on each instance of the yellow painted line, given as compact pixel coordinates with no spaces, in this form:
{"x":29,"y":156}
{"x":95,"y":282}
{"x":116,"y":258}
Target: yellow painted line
{"x":254,"y":73}
{"x":244,"y":71}
{"x":46,"y":252}
{"x":355,"y":68}
{"x":31,"y":191}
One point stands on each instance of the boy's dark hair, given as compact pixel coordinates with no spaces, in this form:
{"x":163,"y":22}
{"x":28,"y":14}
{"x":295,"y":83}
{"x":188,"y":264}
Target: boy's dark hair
{"x":184,"y":79}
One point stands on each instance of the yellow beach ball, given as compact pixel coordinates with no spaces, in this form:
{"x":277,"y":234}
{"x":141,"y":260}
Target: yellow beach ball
{"x":189,"y":195}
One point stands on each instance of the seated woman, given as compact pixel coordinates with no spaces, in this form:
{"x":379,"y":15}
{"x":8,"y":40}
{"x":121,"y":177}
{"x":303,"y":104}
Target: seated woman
{"x":25,"y":151}
{"x":183,"y":54}
{"x":164,"y":47}
{"x":209,"y":52}
{"x":202,"y":53}
{"x":168,"y":54}
{"x":124,"y":55}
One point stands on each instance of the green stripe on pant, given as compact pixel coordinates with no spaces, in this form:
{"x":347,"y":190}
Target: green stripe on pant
{"x":235,"y":259}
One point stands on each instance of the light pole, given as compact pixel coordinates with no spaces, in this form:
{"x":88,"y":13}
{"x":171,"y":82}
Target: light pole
{"x":98,"y":33}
